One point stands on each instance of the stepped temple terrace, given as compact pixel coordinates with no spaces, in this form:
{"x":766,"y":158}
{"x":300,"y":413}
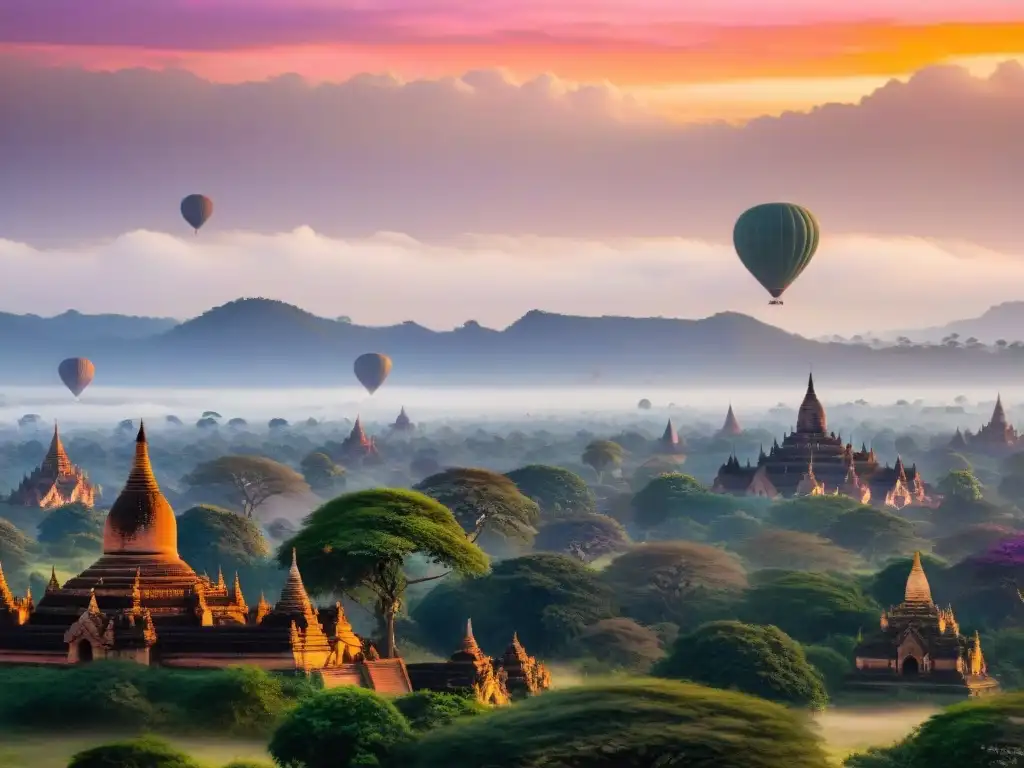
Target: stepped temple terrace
{"x":997,"y":438}
{"x":141,"y":602}
{"x":920,"y":645}
{"x":55,"y":482}
{"x":811,"y":461}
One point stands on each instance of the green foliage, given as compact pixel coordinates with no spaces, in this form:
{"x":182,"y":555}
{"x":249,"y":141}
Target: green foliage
{"x":428,"y":710}
{"x":210,"y":538}
{"x":777,"y":548}
{"x":548,"y":599}
{"x":146,"y":752}
{"x":14,"y":547}
{"x":344,"y":727}
{"x":888,"y":585}
{"x":972,"y":733}
{"x":321,"y":472}
{"x":734,"y":528}
{"x":899,"y":755}
{"x":676,"y":581}
{"x":1004,"y":655}
{"x":602,"y":455}
{"x":482,"y":500}
{"x":247,"y":481}
{"x":872,"y":532}
{"x":585,"y":536}
{"x":363,"y":541}
{"x":248,"y":764}
{"x":652,"y":468}
{"x":240,"y":700}
{"x":556,"y":491}
{"x":70,"y":520}
{"x":832,"y":665}
{"x":759,"y":660}
{"x":961,"y":485}
{"x":810,"y":514}
{"x":622,"y":645}
{"x":625,"y":724}
{"x":809,"y":606}
{"x":673,"y":496}
{"x":972,"y":540}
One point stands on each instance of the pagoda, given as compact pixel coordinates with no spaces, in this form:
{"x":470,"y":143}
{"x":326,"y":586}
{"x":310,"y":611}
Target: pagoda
{"x":919,"y":645}
{"x":731,"y":427}
{"x":358,"y":447}
{"x":669,"y":443}
{"x":55,"y":482}
{"x":998,"y":437}
{"x":402,"y":422}
{"x":812,"y":460}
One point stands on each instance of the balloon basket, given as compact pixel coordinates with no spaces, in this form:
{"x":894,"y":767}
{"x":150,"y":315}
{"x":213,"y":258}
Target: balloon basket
{"x":775,"y":301}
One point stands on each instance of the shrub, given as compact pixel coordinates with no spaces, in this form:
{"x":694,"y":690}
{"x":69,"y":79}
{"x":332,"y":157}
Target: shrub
{"x":137,"y":753}
{"x":427,"y":710}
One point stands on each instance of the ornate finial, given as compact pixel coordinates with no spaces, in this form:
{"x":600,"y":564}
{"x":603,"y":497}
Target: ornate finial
{"x":918,"y":589}
{"x":469,"y":644}
{"x":221,"y":584}
{"x":295,"y":559}
{"x":93,"y":606}
{"x":294,"y":598}
{"x":53,"y":585}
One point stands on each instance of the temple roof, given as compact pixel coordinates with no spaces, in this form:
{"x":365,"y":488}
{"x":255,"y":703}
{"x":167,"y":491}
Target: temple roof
{"x":57,"y":463}
{"x":670,"y":437}
{"x":141,"y":520}
{"x":811,"y":417}
{"x":403,"y":419}
{"x":294,"y":599}
{"x":998,"y":414}
{"x":918,"y":590}
{"x":732,"y":424}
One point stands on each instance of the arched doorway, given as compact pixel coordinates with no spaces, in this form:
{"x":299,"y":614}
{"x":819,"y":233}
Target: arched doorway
{"x":910,"y":667}
{"x":84,"y":652}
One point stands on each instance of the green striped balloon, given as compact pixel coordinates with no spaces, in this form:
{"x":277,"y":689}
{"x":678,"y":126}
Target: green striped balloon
{"x":776,"y":242}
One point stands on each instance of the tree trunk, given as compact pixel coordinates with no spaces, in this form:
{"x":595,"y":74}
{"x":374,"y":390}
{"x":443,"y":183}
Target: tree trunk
{"x":390,"y":613}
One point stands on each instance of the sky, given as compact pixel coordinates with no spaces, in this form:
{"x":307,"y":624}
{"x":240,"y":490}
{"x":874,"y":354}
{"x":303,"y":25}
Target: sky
{"x":608,"y":134}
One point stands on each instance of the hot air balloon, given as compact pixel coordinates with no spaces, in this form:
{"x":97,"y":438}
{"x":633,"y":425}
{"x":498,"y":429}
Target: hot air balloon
{"x":372,"y":369}
{"x":776,"y":242}
{"x":77,"y":373}
{"x":196,"y":210}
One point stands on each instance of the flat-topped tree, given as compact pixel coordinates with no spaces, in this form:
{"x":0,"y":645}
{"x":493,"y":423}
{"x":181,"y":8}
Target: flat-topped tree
{"x":247,"y":481}
{"x":361,"y":542}
{"x":602,"y":455}
{"x":482,"y":500}
{"x":556,"y":490}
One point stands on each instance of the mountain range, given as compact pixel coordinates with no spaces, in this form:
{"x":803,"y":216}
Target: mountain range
{"x":265,"y":343}
{"x":1003,"y":321}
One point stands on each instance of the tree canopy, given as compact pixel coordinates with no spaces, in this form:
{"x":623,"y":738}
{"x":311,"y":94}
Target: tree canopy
{"x":810,"y":514}
{"x":557,"y":491}
{"x":584,"y":536}
{"x":872,"y":532}
{"x":669,"y":497}
{"x":346,"y":727}
{"x":482,"y":500}
{"x":70,"y":520}
{"x":362,"y":541}
{"x":247,"y":481}
{"x":621,"y":644}
{"x":210,"y":538}
{"x":644,"y":722}
{"x":547,"y":599}
{"x":602,"y":455}
{"x":320,"y":471}
{"x":14,"y":546}
{"x":776,"y":548}
{"x":760,"y":660}
{"x":972,"y":540}
{"x":427,"y":710}
{"x":961,"y":485}
{"x":146,"y":752}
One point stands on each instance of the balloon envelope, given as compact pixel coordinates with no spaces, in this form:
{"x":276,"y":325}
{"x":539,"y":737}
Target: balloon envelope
{"x":77,"y":373}
{"x":372,"y":369}
{"x":776,"y":242}
{"x":196,"y":209}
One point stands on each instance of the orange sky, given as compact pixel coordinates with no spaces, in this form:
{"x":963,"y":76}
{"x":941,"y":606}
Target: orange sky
{"x":686,"y":71}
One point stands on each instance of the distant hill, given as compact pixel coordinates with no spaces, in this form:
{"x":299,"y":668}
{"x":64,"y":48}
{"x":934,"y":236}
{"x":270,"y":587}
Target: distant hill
{"x":264,"y":343}
{"x":1003,"y":321}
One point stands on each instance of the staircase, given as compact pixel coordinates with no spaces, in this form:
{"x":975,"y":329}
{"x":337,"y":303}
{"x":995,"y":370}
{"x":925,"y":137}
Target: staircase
{"x":388,"y":677}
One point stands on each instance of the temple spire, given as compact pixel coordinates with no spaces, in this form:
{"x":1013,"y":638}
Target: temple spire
{"x":469,"y":641}
{"x":918,"y":589}
{"x":57,"y":462}
{"x":6,"y":598}
{"x":53,"y":585}
{"x":294,"y":598}
{"x":141,"y":478}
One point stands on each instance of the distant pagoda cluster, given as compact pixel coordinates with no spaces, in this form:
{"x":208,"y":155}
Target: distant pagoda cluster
{"x":141,"y":602}
{"x":812,"y":461}
{"x":998,"y":437}
{"x":55,"y":482}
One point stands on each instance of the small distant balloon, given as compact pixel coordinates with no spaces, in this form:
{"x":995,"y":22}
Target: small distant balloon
{"x":196,"y":210}
{"x":372,"y":369}
{"x":77,"y":373}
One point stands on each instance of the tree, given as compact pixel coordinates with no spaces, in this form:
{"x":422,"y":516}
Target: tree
{"x":809,"y":607}
{"x":675,"y":581}
{"x":762,"y":661}
{"x":346,"y":727}
{"x":774,"y":548}
{"x":427,"y":710}
{"x":810,"y":514}
{"x":210,"y":538}
{"x":70,"y":520}
{"x":362,"y":541}
{"x":483,"y":500}
{"x":14,"y":546}
{"x":961,"y":485}
{"x":622,"y":724}
{"x":602,"y":455}
{"x":734,"y":527}
{"x":248,"y":480}
{"x":585,"y":536}
{"x":972,"y":540}
{"x":547,"y":599}
{"x":557,"y":491}
{"x":652,"y":468}
{"x":872,"y":532}
{"x":622,"y":645}
{"x":321,"y":472}
{"x":668,"y":498}
{"x":831,"y":665}
{"x":146,"y":752}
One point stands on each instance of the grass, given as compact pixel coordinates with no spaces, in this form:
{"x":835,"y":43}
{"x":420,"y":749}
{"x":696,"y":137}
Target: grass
{"x":47,"y":751}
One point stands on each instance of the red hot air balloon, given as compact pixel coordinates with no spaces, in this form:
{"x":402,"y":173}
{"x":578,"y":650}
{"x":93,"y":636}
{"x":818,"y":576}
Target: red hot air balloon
{"x":196,"y":210}
{"x":372,"y":369}
{"x":77,"y":373}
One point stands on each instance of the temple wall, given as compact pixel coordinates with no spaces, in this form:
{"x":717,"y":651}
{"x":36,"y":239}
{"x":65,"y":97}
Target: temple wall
{"x":269,"y":662}
{"x":29,"y":657}
{"x":863,"y":663}
{"x":946,"y":664}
